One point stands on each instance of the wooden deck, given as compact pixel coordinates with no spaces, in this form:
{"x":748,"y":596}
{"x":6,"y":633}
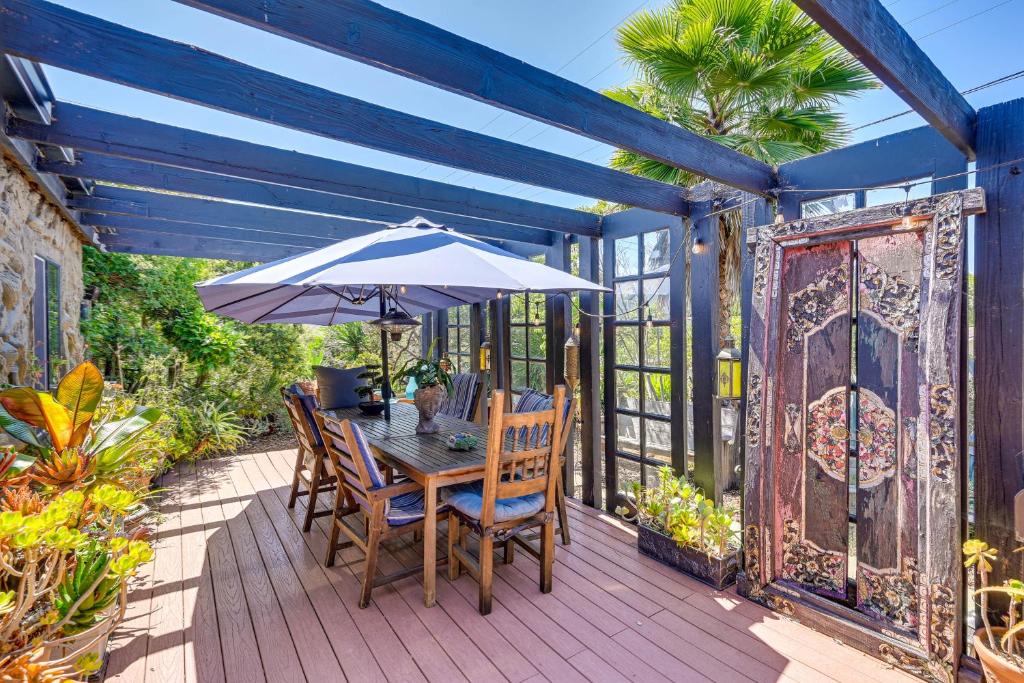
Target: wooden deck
{"x":238,"y":593}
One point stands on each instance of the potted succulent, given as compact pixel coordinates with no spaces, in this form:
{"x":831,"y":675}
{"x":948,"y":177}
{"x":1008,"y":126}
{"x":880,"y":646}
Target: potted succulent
{"x":678,"y":526}
{"x":371,"y":405}
{"x":1001,"y":655}
{"x":433,"y":383}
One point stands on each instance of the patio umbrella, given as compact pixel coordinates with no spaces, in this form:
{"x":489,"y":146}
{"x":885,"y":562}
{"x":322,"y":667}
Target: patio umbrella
{"x":404,"y":270}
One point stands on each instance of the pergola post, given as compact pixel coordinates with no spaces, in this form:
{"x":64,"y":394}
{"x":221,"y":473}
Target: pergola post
{"x":476,"y":337}
{"x":590,"y":374}
{"x":557,"y":323}
{"x":501,"y":365}
{"x":611,"y":463}
{"x":704,"y":282}
{"x":677,"y":345}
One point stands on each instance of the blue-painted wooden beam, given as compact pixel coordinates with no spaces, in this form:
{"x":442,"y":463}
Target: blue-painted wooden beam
{"x":127,"y":171}
{"x":90,"y":130}
{"x":201,"y":247}
{"x":873,"y":36}
{"x":126,"y":225}
{"x":67,"y":39}
{"x":169,"y":207}
{"x":381,"y":37}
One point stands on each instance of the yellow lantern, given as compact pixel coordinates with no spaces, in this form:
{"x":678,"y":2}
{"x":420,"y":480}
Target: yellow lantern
{"x":485,"y":356}
{"x":730,"y":374}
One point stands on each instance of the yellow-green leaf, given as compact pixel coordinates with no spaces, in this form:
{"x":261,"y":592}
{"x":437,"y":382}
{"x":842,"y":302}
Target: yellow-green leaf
{"x":80,"y":391}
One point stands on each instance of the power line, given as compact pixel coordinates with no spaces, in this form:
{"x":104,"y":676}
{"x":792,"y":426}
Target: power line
{"x":960,"y":21}
{"x":908,"y":22}
{"x":978,"y":88}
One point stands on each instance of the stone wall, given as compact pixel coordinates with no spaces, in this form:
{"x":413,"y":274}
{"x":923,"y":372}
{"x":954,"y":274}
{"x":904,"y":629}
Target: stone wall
{"x":30,"y":226}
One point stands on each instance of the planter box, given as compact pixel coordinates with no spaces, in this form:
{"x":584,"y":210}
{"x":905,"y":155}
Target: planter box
{"x":712,"y":571}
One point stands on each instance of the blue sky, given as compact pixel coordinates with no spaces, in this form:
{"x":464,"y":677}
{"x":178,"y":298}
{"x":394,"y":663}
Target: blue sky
{"x":572,"y":37}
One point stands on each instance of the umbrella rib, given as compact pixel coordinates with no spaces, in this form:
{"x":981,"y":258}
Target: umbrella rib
{"x":246,"y":298}
{"x":444,"y":293}
{"x":336,"y":307}
{"x":282,"y":305}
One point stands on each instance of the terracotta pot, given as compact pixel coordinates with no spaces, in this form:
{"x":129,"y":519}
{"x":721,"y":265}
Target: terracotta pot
{"x":428,"y":401}
{"x":997,"y":667}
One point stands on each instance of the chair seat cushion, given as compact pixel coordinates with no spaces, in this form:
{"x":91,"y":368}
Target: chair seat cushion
{"x":469,"y":500}
{"x":406,"y":508}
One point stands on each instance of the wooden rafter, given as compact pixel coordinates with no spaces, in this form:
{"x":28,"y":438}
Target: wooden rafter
{"x":390,"y":40}
{"x":874,"y":37}
{"x":88,"y":130}
{"x":71,"y":40}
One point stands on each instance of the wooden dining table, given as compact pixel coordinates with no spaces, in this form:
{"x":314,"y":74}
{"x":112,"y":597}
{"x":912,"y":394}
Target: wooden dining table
{"x":424,"y":458}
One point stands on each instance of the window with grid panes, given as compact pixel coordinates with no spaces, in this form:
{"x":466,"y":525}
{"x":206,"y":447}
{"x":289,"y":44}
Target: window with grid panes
{"x":527,"y":349}
{"x":643,"y":382}
{"x":458,"y":338}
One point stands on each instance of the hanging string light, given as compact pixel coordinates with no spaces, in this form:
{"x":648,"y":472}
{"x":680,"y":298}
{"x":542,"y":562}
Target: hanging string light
{"x":537,"y":320}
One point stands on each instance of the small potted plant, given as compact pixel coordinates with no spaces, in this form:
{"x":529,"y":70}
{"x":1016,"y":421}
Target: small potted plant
{"x":433,"y":383}
{"x":371,"y":405}
{"x":997,"y":647}
{"x":678,"y":526}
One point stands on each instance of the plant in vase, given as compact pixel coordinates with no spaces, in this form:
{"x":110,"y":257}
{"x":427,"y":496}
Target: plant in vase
{"x":69,"y":538}
{"x":371,"y":405}
{"x":678,"y":525}
{"x":997,"y":646}
{"x":433,"y":384}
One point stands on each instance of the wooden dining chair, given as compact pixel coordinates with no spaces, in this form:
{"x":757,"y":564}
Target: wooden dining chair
{"x":517,"y":494}
{"x":529,"y":401}
{"x":389,"y":509}
{"x":311,"y":471}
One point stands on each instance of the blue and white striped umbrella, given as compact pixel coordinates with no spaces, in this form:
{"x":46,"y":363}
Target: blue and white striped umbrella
{"x":422,"y":266}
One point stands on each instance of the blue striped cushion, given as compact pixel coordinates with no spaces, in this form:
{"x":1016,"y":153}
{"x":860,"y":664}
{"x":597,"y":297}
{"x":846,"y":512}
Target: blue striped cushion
{"x":533,"y":401}
{"x":309,"y":404}
{"x":460,"y":400}
{"x":363,"y":450}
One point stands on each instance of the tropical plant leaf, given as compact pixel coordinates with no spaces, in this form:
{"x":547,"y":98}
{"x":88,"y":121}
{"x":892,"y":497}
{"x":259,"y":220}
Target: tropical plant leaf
{"x":15,"y":463}
{"x":19,"y":430}
{"x":39,"y":409}
{"x":113,"y":433}
{"x":80,"y":391}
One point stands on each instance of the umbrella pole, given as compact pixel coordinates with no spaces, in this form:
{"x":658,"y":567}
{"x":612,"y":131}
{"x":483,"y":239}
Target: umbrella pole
{"x":385,"y":389}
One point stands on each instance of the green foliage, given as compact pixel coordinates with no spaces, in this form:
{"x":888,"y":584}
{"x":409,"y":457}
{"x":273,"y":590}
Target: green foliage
{"x":757,"y":76}
{"x":677,"y":508}
{"x":425,"y":371}
{"x":88,"y":591}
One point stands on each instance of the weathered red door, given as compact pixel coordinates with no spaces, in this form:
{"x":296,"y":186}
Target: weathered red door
{"x":851,"y":495}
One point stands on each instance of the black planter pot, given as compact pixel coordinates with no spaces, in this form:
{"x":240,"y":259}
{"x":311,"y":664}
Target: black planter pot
{"x":372,"y":407}
{"x":712,"y":571}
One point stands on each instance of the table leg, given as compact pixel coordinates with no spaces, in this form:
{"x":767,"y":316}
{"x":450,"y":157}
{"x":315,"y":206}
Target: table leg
{"x":430,"y":543}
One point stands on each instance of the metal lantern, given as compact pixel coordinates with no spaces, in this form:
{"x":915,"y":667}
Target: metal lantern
{"x":395,"y":322}
{"x":572,"y":362}
{"x":730,"y":377}
{"x":485,"y":356}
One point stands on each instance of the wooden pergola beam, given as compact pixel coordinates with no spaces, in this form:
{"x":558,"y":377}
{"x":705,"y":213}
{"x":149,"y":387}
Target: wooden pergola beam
{"x":140,"y":174}
{"x":873,"y":36}
{"x":401,"y":44}
{"x":71,"y":40}
{"x":120,"y":226}
{"x":201,"y":247}
{"x":89,"y":130}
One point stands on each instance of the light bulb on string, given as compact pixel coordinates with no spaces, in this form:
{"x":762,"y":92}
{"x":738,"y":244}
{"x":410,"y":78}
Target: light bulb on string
{"x":499,"y":294}
{"x":649,"y":323}
{"x":536,"y":315}
{"x":403,"y":289}
{"x":907,"y":222}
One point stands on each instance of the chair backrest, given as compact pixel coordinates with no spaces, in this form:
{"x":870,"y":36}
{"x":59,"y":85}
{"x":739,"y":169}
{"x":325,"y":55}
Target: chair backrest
{"x":352,"y":460}
{"x":532,"y":400}
{"x":520,"y":459}
{"x":462,"y":399}
{"x":306,"y":432}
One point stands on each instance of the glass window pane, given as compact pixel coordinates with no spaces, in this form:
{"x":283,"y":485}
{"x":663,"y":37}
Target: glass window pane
{"x":656,"y":251}
{"x":517,"y":307}
{"x":463,"y":346}
{"x":827,"y":205}
{"x":538,"y":380}
{"x":627,"y":345}
{"x":656,"y":294}
{"x":627,"y":301}
{"x":657,"y":346}
{"x":518,"y":347}
{"x":628,"y":472}
{"x":892,"y":195}
{"x":657,"y":393}
{"x":627,"y":389}
{"x":627,"y":434}
{"x":627,"y":256}
{"x":54,"y":349}
{"x":537,"y":345}
{"x":658,"y":441}
{"x":519,"y":378}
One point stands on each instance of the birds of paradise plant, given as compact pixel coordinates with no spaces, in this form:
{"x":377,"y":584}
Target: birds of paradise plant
{"x":678,"y":509}
{"x":65,"y":552}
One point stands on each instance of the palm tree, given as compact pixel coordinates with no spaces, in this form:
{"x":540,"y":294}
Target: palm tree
{"x":758,"y":76}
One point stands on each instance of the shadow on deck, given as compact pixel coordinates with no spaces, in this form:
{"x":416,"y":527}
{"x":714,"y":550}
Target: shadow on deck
{"x":238,"y":593}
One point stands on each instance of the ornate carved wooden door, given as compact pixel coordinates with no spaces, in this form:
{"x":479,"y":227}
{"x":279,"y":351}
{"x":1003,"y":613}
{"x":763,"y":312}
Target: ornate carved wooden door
{"x":851,"y":487}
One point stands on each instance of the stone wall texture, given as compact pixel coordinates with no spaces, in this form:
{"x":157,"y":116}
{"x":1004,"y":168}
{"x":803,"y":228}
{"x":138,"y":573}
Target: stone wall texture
{"x":31,"y":226}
